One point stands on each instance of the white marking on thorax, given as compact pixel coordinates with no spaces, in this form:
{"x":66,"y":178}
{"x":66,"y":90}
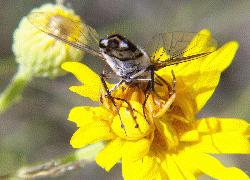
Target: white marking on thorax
{"x":105,"y":42}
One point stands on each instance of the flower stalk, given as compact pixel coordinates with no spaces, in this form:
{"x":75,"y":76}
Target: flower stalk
{"x":12,"y":93}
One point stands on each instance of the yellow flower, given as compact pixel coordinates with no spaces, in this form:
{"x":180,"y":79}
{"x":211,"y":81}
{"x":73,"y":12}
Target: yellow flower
{"x":169,"y":143}
{"x":37,"y":51}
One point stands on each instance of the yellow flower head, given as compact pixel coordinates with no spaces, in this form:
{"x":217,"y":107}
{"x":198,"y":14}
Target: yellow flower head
{"x":43,"y":54}
{"x":169,"y":142}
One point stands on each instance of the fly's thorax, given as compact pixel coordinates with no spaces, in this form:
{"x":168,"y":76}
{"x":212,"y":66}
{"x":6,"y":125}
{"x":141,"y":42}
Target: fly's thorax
{"x":119,"y":47}
{"x":123,"y":56}
{"x":126,"y":69}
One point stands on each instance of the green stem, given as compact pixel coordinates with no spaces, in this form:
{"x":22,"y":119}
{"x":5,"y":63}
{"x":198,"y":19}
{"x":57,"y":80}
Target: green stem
{"x":13,"y":92}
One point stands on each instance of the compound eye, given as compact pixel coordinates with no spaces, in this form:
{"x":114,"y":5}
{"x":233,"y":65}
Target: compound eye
{"x":103,"y":43}
{"x":123,"y":45}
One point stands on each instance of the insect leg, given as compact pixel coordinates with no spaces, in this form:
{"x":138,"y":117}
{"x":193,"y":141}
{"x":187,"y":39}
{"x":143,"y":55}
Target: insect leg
{"x":152,"y":81}
{"x":102,"y":76}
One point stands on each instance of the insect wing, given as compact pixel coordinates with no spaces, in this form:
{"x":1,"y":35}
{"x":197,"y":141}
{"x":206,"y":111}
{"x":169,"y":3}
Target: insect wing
{"x":176,"y":47}
{"x":72,"y":32}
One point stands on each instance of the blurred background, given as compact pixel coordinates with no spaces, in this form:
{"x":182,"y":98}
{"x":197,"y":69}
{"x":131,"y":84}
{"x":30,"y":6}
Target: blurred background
{"x":36,"y":129}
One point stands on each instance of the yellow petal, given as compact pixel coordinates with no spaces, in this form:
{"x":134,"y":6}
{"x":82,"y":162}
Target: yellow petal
{"x":208,"y":125}
{"x":212,"y":167}
{"x":221,"y":135}
{"x":186,"y":102}
{"x":111,"y":154}
{"x":234,"y":173}
{"x":176,"y":170}
{"x":91,"y":81}
{"x":223,"y":57}
{"x":134,"y":150}
{"x":86,"y":91}
{"x":159,"y":55}
{"x":208,"y":77}
{"x":146,"y":168}
{"x":187,"y":172}
{"x":184,"y":157}
{"x":91,"y":134}
{"x":202,"y":42}
{"x":85,"y":115}
{"x":167,"y":133}
{"x":204,"y":87}
{"x":190,"y":136}
{"x":229,"y":143}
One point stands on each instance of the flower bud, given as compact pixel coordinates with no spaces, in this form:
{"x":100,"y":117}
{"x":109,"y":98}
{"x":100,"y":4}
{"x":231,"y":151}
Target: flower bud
{"x":41,"y":53}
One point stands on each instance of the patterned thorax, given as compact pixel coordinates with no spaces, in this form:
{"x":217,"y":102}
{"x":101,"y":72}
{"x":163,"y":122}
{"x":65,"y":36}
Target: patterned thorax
{"x":120,"y":47}
{"x":125,"y":58}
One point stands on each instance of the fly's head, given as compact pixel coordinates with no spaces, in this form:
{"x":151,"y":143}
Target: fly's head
{"x":119,"y":47}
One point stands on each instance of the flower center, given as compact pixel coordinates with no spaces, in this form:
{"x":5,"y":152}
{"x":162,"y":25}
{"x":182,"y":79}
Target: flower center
{"x":134,"y":113}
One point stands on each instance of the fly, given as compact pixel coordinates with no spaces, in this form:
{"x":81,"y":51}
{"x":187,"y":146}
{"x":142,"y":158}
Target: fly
{"x":129,"y":62}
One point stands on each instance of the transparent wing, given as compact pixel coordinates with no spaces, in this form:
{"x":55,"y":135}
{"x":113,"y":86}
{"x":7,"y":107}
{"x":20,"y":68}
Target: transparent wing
{"x":176,"y":47}
{"x":72,"y":32}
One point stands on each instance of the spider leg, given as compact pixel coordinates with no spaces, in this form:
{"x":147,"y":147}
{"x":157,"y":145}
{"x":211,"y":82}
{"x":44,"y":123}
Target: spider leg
{"x":121,"y":99}
{"x":171,"y":99}
{"x":163,"y":82}
{"x":130,"y":109}
{"x":149,"y":88}
{"x":146,"y":92}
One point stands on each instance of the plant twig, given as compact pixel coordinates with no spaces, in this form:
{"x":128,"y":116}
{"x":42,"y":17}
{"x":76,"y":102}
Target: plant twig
{"x":49,"y":169}
{"x":59,"y":166}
